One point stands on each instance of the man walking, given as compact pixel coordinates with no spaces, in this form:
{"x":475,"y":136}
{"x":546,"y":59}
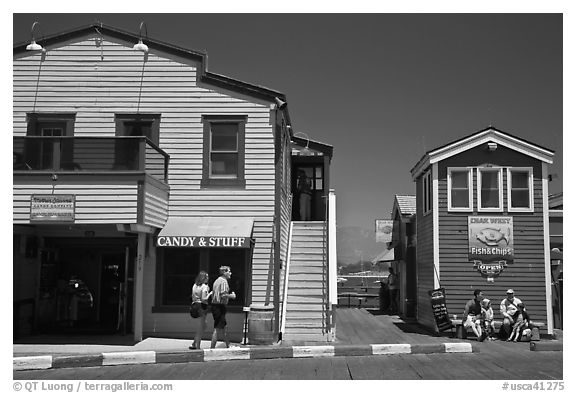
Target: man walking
{"x":220,"y":296}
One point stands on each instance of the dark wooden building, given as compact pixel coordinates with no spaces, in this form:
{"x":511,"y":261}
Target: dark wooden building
{"x":482,"y":222}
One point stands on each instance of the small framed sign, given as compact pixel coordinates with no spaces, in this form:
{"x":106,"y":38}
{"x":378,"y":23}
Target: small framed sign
{"x":52,"y":208}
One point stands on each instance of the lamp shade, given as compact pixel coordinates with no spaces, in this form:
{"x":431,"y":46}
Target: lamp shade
{"x":140,"y":46}
{"x":34,"y":46}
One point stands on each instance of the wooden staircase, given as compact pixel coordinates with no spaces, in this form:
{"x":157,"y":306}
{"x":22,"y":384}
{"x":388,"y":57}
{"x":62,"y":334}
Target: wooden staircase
{"x":307,"y":296}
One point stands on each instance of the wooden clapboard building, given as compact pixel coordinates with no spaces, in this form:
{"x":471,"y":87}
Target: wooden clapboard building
{"x":135,"y":168}
{"x":482,"y":222}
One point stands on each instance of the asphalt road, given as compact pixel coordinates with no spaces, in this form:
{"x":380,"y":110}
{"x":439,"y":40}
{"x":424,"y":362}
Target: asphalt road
{"x":526,"y":365}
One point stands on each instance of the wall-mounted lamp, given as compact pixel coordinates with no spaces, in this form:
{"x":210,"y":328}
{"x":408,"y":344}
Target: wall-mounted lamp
{"x":279,"y":103}
{"x":141,"y":46}
{"x":492,"y":146}
{"x":33,"y":46}
{"x":306,"y":150}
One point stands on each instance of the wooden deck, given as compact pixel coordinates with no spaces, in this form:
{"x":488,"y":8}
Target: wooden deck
{"x":358,"y":326}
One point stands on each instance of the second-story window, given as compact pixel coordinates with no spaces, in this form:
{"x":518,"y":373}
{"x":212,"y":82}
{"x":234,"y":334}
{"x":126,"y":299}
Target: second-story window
{"x":520,"y":189}
{"x":490,"y":189}
{"x":459,"y":189}
{"x":134,"y":125}
{"x":427,"y":192}
{"x":47,"y":152}
{"x":223,"y":163}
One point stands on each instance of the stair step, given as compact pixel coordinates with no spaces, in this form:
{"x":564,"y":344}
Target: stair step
{"x":303,"y":339}
{"x":312,"y":284}
{"x":304,"y":307}
{"x":302,"y":292}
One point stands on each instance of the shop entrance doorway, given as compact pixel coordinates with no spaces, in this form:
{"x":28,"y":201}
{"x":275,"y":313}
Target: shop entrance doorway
{"x":85,"y":287}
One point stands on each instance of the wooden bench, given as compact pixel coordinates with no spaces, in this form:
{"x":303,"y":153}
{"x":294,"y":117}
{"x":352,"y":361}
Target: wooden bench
{"x":462,"y":332}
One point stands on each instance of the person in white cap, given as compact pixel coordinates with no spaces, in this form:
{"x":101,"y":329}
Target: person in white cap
{"x":509,"y":309}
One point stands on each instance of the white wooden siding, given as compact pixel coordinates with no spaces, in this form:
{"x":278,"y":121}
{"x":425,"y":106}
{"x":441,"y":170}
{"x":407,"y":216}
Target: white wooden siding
{"x":74,"y":79}
{"x":95,"y":203}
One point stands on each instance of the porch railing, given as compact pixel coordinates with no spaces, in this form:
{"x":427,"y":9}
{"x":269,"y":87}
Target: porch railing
{"x":89,"y":154}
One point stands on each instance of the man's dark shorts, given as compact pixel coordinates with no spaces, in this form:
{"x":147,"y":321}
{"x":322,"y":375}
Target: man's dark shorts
{"x":219,"y":314}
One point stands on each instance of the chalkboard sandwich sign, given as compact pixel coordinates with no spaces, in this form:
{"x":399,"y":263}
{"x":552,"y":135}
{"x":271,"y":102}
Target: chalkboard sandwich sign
{"x":438,"y":301}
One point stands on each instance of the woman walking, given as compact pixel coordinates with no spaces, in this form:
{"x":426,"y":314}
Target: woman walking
{"x":200,"y":295}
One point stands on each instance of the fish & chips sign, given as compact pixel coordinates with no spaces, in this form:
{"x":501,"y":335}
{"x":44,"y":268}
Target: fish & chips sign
{"x":491,"y":243}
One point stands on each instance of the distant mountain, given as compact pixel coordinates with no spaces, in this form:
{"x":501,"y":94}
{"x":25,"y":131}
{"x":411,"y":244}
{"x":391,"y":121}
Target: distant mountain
{"x":355,"y":243}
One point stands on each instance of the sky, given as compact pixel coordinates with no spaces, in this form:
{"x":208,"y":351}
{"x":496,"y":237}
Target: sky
{"x":381,"y":88}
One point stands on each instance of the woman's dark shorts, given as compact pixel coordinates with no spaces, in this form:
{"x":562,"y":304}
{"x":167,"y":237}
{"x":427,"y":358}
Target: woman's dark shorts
{"x":219,"y":314}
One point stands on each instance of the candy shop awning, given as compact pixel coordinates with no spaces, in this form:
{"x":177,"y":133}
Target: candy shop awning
{"x":206,"y":232}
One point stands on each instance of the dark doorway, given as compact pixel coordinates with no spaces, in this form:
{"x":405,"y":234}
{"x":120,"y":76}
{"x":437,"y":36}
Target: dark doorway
{"x":314,"y":175}
{"x":85,"y":288}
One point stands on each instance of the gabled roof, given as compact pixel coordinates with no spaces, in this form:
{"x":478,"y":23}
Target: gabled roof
{"x":323,"y":148}
{"x":489,"y":134}
{"x":202,"y":57}
{"x":406,"y":204}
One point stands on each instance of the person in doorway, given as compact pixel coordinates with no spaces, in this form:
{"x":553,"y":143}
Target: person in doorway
{"x":220,"y":296}
{"x":200,"y":295}
{"x":305,"y":196}
{"x":392,"y":282}
{"x":508,"y":309}
{"x":473,"y":313}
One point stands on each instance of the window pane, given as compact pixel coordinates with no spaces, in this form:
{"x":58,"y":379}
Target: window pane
{"x":460,"y":198}
{"x":224,"y":137}
{"x":460,"y":179}
{"x":489,"y":180}
{"x":224,"y":164}
{"x":236,"y":259}
{"x":181,"y":266}
{"x":490,"y":198}
{"x":490,"y":192}
{"x":519,"y":180}
{"x":520,"y":198}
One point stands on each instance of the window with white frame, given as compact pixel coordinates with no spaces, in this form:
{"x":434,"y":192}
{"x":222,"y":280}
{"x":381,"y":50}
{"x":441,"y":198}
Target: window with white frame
{"x":490,"y":195}
{"x":459,"y":189}
{"x":427,"y":192}
{"x":520,"y":189}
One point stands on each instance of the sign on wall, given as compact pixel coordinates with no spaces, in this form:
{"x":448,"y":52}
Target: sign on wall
{"x":203,"y":241}
{"x":490,"y":243}
{"x":53,"y":208}
{"x":384,"y":229}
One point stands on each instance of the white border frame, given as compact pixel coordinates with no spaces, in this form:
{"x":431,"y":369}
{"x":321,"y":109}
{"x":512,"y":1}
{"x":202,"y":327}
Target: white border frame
{"x":530,"y":208}
{"x":500,"y":171}
{"x":470,"y":189}
{"x":427,"y":188}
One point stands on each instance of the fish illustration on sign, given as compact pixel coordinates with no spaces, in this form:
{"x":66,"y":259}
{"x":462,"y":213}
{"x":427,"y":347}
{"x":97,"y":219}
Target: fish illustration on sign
{"x":491,"y":237}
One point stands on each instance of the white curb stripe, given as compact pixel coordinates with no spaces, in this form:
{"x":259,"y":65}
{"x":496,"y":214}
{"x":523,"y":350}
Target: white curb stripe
{"x":32,"y":362}
{"x":458,"y":347}
{"x":390,"y":349}
{"x":136,"y":357}
{"x":313,"y":351}
{"x":226,"y":354}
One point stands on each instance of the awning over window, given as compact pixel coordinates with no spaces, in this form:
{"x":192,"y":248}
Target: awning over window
{"x":206,"y":232}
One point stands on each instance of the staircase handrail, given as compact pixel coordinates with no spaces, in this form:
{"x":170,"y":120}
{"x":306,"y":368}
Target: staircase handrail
{"x":286,"y":273}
